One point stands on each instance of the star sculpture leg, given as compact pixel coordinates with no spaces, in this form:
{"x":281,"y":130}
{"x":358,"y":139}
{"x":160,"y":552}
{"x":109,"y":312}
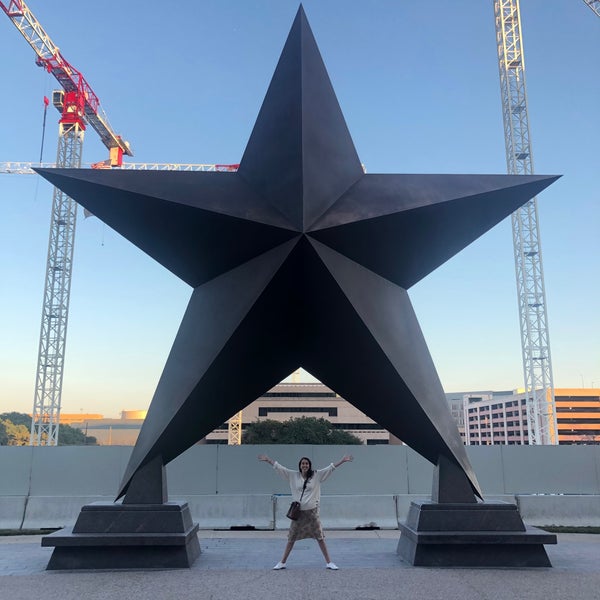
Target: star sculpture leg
{"x":300,"y":259}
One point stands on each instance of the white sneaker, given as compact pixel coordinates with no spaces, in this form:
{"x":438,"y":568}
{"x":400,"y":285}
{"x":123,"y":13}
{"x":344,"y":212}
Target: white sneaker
{"x":331,"y":566}
{"x":281,"y":565}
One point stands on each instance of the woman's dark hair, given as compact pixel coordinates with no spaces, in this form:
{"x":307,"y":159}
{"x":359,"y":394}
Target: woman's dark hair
{"x":309,"y":474}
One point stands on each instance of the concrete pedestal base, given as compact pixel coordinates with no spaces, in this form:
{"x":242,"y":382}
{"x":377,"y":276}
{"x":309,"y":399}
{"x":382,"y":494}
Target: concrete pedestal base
{"x":471,"y":535}
{"x":127,"y":536}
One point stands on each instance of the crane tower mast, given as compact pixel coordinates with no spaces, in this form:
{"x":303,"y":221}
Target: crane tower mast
{"x":535,"y":343}
{"x":79,"y":106}
{"x":57,"y":291}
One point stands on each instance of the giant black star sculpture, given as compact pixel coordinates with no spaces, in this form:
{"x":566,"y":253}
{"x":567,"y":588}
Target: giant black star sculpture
{"x":298,"y":259}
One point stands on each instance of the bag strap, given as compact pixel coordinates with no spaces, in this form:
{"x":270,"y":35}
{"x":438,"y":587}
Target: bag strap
{"x":303,"y":489}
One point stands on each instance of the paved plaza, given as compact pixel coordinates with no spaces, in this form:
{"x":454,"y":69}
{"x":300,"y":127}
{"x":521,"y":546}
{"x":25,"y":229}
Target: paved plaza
{"x":238,"y":565}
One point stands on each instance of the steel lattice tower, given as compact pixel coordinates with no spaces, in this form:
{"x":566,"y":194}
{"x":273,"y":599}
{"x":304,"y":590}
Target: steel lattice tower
{"x":535,"y":343}
{"x":79,"y":106}
{"x":594,"y":5}
{"x":234,"y":429}
{"x":55,"y":310}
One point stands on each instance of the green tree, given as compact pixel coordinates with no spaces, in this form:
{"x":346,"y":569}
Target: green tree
{"x":17,"y":418}
{"x":3,"y":434}
{"x":16,"y":427}
{"x":71,"y":436}
{"x":16,"y":435}
{"x":267,"y":431}
{"x":303,"y":430}
{"x":339,"y":436}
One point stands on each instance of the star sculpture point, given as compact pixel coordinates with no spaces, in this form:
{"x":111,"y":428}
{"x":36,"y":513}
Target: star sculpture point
{"x":298,"y":259}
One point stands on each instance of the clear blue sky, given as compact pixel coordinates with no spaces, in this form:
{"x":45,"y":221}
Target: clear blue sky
{"x":418,"y":84}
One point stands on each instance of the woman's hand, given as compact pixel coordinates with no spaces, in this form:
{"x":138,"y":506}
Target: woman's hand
{"x":265,"y":458}
{"x":344,"y":459}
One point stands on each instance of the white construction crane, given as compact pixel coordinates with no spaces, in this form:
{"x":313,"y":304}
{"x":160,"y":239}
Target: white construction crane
{"x":79,"y":106}
{"x":27,"y":168}
{"x":234,"y":429}
{"x":535,"y":341}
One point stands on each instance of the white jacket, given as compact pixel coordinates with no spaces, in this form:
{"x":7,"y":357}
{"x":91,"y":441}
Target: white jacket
{"x":312,"y":493}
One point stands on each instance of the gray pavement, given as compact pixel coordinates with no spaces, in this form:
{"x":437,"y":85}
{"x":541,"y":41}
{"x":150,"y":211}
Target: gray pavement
{"x":237,"y":565}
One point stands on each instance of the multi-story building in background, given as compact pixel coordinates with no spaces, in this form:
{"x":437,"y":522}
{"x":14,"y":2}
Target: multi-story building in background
{"x":289,"y":400}
{"x":284,"y":401}
{"x":495,"y":418}
{"x":578,"y":415}
{"x":482,"y":417}
{"x":111,"y":432}
{"x":77,"y":418}
{"x":456,"y":403}
{"x":501,"y":418}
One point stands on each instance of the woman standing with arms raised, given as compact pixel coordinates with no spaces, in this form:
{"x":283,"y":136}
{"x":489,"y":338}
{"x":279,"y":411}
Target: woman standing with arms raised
{"x":305,"y":485}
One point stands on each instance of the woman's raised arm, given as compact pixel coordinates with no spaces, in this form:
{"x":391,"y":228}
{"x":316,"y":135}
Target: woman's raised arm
{"x":347,"y":458}
{"x":265,"y":458}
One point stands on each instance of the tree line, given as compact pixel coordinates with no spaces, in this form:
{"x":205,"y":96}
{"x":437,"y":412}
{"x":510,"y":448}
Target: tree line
{"x":15,"y":430}
{"x":302,"y":430}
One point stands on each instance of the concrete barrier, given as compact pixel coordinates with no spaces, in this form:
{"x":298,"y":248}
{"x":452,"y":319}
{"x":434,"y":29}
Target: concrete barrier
{"x":262,"y":511}
{"x":12,"y":509}
{"x":531,"y":470}
{"x":351,"y":512}
{"x":565,"y":510}
{"x":223,"y":511}
{"x":228,"y":487}
{"x":15,"y":470}
{"x":49,"y":512}
{"x":403,"y":504}
{"x":346,"y":512}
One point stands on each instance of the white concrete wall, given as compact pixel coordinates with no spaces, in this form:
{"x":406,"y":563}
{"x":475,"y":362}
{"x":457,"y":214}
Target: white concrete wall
{"x":227,"y":486}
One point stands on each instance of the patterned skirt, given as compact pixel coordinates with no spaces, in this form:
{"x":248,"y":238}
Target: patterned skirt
{"x":308,"y":525}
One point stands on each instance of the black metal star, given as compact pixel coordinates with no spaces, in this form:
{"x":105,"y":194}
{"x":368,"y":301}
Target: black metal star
{"x":298,"y":259}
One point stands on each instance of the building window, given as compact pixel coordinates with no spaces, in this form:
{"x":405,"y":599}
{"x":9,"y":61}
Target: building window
{"x":367,"y":426}
{"x":263,"y":411}
{"x":299,"y":395}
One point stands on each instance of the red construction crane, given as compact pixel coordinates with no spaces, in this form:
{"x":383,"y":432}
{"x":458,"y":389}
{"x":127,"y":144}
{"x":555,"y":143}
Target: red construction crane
{"x":79,"y":106}
{"x":79,"y":103}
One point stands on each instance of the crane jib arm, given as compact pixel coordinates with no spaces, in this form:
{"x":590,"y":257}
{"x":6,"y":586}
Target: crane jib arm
{"x":72,"y":80}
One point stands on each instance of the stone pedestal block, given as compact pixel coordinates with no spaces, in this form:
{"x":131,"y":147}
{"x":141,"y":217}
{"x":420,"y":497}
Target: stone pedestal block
{"x":127,"y":536}
{"x":471,"y":535}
